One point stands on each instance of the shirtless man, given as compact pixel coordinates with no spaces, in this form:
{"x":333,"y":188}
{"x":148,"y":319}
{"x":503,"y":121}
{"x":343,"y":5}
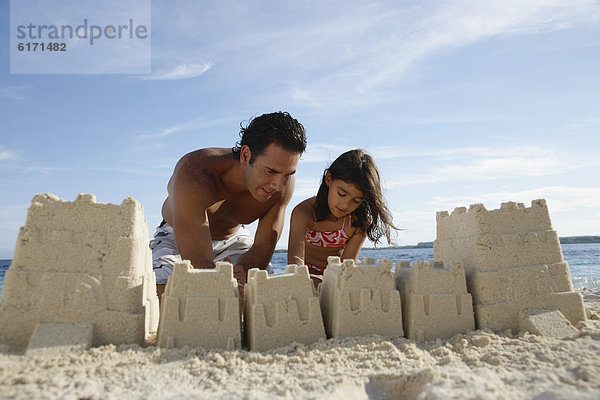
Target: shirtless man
{"x":214,"y":192}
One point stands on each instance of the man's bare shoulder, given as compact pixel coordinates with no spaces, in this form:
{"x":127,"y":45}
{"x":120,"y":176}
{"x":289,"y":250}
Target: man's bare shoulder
{"x":204,"y":158}
{"x":204,"y":164}
{"x":198,"y":174}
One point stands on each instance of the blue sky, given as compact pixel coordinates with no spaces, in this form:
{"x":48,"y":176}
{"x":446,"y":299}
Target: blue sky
{"x":459,"y":102}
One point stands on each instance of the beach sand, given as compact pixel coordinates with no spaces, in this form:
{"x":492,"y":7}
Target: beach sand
{"x":475,"y":365}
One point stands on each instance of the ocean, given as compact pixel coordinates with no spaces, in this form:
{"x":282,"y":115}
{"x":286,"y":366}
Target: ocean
{"x":583,"y":259}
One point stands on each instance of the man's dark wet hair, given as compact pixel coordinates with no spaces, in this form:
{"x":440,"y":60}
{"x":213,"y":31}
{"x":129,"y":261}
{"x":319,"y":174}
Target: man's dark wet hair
{"x":278,"y":127}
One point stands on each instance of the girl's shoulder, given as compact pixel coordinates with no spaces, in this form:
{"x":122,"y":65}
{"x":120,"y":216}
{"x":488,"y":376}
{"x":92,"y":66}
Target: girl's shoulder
{"x":307,"y":205}
{"x":355,"y":230}
{"x":305,"y":210}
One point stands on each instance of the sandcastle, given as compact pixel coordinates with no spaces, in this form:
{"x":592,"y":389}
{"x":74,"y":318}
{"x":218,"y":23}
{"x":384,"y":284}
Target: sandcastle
{"x":435,"y":302}
{"x":360,"y":299}
{"x":200,"y":307}
{"x":514,"y":266}
{"x":81,"y":276}
{"x":281,"y":309}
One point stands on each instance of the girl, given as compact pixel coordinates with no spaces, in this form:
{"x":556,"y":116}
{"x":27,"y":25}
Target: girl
{"x":348,"y":208}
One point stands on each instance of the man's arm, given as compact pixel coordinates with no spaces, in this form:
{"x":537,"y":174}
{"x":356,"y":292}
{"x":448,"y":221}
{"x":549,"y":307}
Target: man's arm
{"x":268,"y":232}
{"x":189,"y":201}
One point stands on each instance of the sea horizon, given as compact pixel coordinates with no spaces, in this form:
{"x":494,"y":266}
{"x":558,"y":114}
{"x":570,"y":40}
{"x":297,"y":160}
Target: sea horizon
{"x":583,"y":260}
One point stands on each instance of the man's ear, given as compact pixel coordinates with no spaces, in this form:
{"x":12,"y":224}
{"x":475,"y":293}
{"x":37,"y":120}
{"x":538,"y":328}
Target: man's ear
{"x":245,"y":155}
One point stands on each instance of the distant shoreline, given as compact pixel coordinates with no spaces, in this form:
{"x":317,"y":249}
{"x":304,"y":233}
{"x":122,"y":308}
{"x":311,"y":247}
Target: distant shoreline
{"x":579,"y":239}
{"x":429,"y":245}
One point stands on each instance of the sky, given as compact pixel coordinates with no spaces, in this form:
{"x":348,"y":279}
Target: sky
{"x":459,"y":102}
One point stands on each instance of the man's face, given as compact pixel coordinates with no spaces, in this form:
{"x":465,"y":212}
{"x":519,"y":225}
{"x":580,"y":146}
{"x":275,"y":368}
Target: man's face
{"x":270,"y":172}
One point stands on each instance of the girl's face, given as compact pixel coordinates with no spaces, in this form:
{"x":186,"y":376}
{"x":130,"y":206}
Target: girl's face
{"x":343,"y":197}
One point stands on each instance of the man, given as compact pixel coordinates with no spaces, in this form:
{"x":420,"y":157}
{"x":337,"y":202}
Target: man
{"x":213,"y":192}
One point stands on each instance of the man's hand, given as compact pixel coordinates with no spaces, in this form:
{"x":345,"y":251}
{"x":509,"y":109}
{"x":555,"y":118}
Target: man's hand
{"x":240,"y":274}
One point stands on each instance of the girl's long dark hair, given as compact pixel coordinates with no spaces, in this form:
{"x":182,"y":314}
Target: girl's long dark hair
{"x":358,"y":168}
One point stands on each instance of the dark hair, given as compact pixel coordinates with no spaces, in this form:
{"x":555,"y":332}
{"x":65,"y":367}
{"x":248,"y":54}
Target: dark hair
{"x":358,"y":168}
{"x":278,"y":127}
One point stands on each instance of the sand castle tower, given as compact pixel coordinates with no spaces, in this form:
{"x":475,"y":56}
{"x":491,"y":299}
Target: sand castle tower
{"x":81,"y":276}
{"x":281,"y":309}
{"x":201,"y":307}
{"x":360,"y":299}
{"x":514,"y":266}
{"x":435,"y":302}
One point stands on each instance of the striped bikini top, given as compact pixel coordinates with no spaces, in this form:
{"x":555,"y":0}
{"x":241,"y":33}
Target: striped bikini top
{"x":333,"y":239}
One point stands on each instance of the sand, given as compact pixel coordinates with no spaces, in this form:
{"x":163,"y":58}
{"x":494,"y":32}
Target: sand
{"x":49,"y":294}
{"x":476,"y":365}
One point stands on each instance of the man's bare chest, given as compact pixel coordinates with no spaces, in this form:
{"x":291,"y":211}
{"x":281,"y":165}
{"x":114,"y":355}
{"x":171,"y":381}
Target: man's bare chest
{"x":235,"y":211}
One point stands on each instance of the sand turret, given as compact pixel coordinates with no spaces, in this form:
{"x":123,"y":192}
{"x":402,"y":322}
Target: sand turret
{"x":82,"y":269}
{"x":514,"y":265}
{"x":360,"y":299}
{"x":435,"y":302}
{"x":201,"y":307}
{"x":281,"y":309}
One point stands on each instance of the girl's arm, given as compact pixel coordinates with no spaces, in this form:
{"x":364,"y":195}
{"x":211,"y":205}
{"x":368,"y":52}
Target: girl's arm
{"x":299,"y":221}
{"x":353,"y":246}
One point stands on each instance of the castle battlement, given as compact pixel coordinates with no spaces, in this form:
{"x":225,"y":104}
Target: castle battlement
{"x":217,"y":282}
{"x":85,"y":214}
{"x":92,"y":234}
{"x":200,"y":307}
{"x":431,"y":277}
{"x":513,"y":235}
{"x":281,"y":309}
{"x":511,"y":217}
{"x":360,"y":299}
{"x":435,"y":302}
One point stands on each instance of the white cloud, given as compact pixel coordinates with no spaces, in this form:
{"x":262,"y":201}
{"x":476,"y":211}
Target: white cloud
{"x":180,"y":71}
{"x":6,"y":155}
{"x":416,"y":226}
{"x":488,"y":163}
{"x":323,"y":152}
{"x":559,"y":198}
{"x":192,"y":125}
{"x":136,"y":171}
{"x":342,"y":53}
{"x":306,"y":187}
{"x":503,"y":167}
{"x":583,"y":124}
{"x":413,"y":217}
{"x":471,"y":163}
{"x":306,"y":97}
{"x":363,"y":71}
{"x":13,"y":92}
{"x":43,"y":170}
